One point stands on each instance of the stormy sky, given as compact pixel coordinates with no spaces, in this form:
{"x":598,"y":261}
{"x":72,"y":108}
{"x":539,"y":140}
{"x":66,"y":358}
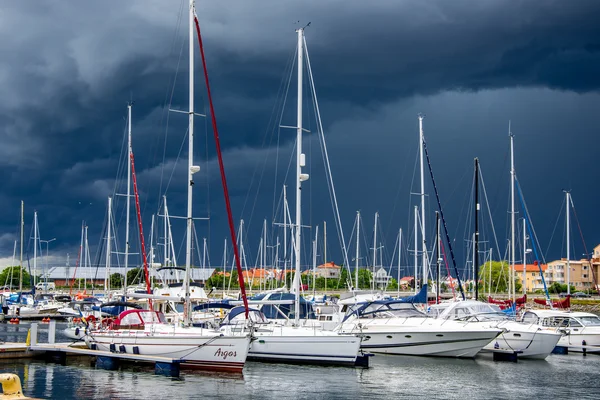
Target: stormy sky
{"x":69,"y":69}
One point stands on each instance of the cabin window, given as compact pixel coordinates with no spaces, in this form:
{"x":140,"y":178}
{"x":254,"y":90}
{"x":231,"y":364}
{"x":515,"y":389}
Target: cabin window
{"x":530,"y":318}
{"x":131,"y":319}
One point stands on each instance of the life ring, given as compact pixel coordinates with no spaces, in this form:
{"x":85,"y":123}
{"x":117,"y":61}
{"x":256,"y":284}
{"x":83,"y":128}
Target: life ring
{"x":90,"y":318}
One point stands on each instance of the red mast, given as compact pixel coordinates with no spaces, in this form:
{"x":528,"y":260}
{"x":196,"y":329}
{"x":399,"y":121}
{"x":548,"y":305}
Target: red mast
{"x":139,"y":218}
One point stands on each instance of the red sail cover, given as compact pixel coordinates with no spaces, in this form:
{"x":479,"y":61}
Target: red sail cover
{"x":565,"y":303}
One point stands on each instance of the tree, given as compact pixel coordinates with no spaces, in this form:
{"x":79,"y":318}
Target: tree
{"x":11,"y":276}
{"x":135,"y":276}
{"x":393,"y":284}
{"x":500,"y":277}
{"x":116,"y":280}
{"x":364,"y":278}
{"x":558,"y":288}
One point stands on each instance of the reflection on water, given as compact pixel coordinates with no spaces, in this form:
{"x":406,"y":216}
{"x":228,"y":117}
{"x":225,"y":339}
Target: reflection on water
{"x":560,"y":376}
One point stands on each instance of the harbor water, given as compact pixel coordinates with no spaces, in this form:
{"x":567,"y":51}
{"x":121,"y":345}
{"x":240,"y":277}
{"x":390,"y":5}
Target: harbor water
{"x":389,"y":377}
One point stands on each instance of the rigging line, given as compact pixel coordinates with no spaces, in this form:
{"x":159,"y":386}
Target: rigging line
{"x":534,"y":243}
{"x":437,"y":196}
{"x":222,"y":169}
{"x":526,"y":210}
{"x":488,"y":208}
{"x":168,"y":103}
{"x":587,"y":255}
{"x":183,"y":142}
{"x":556,"y":224}
{"x":280,"y":121}
{"x":268,"y":132}
{"x":321,"y":135}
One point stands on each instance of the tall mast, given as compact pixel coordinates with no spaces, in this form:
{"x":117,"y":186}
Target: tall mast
{"x":374,"y":251}
{"x":128,"y":200}
{"x":476,"y":238}
{"x":399,"y":258}
{"x":21,"y":258}
{"x":415,"y":281}
{"x":285,"y":236}
{"x":108,"y":254}
{"x":357,"y":250}
{"x":35,"y":239}
{"x":512,"y":216}
{"x":325,"y":249}
{"x":315,"y":249}
{"x":424,"y":242}
{"x":264,"y":249}
{"x":166,"y":239}
{"x":524,"y":256}
{"x":568,"y":200}
{"x":191,"y":169}
{"x":300,"y":162}
{"x":86,"y":258}
{"x":438,"y":258}
{"x":203,"y":252}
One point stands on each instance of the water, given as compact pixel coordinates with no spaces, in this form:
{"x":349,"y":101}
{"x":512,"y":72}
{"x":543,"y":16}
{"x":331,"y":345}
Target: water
{"x":397,"y":377}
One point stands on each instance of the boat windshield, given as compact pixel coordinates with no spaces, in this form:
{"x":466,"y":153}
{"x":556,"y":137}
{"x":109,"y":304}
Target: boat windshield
{"x":590,"y":321}
{"x":386,"y":310}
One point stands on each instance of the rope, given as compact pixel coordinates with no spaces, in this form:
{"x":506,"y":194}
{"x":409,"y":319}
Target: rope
{"x":437,"y":197}
{"x":222,"y":170}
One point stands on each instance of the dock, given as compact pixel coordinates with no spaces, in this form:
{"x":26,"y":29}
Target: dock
{"x":58,"y":352}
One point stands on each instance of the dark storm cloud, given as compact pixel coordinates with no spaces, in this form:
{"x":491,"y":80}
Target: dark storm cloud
{"x":69,"y":69}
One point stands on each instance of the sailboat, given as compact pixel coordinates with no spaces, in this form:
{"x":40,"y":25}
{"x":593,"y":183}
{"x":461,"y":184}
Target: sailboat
{"x":147,"y":331}
{"x":296,"y":343}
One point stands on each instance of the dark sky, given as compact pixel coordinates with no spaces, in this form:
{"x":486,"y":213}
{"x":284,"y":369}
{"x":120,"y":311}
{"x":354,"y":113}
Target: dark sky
{"x":68,"y":70}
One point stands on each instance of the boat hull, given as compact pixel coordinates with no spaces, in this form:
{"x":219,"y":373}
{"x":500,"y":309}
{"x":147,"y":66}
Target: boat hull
{"x":534,"y":345}
{"x":421,"y":337}
{"x":574,"y":340}
{"x":299,"y":345}
{"x":209,"y":351}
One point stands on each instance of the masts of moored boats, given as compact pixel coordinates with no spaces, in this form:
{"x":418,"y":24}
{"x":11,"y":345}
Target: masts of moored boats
{"x":476,"y":235}
{"x":567,"y":205}
{"x":21,"y":258}
{"x":300,"y":177}
{"x":422,"y":194}
{"x":108,"y":243}
{"x":416,"y":255}
{"x":128,"y":201}
{"x":438,"y":244}
{"x":357,"y":250}
{"x":511,"y":285}
{"x":374,"y":251}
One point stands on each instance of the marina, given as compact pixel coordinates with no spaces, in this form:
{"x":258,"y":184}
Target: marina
{"x":451,"y":294}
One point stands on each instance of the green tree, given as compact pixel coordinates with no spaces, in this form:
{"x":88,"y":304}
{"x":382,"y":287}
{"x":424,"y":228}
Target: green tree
{"x":557,"y":288}
{"x":116,"y":280}
{"x":393,"y":284}
{"x":135,"y":276}
{"x":364,"y":278}
{"x":11,"y":276}
{"x":500,"y":277}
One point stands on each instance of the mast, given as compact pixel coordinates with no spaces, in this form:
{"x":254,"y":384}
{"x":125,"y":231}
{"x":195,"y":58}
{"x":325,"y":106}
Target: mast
{"x":315,"y":249}
{"x":512,"y":217}
{"x":86,"y":258}
{"x":415,"y":281}
{"x":490,"y":274}
{"x":264,"y":248}
{"x":203,"y":252}
{"x":108,"y":254}
{"x":35,"y":238}
{"x":438,"y":240}
{"x":357,"y":250}
{"x":325,"y":250}
{"x":285,"y":236}
{"x":476,"y":238}
{"x":568,"y":200}
{"x":424,"y":242}
{"x":166,"y":239}
{"x":21,"y":258}
{"x":399,"y":258}
{"x":374,"y":252}
{"x":524,"y":256}
{"x":300,"y":177}
{"x":192,"y":169}
{"x":128,"y":200}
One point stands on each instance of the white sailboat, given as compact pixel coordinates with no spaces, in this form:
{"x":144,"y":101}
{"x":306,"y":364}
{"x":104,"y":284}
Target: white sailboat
{"x":146,"y":331}
{"x":296,"y":343}
{"x":398,"y":327}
